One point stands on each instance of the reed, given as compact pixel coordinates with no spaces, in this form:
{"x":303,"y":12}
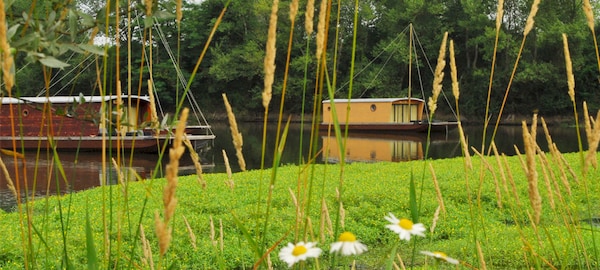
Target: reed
{"x":528,"y":27}
{"x":154,"y":123}
{"x":321,"y":29}
{"x":7,"y":58}
{"x":163,"y":230}
{"x":196,"y":161}
{"x":438,"y":76}
{"x":308,"y":17}
{"x":531,"y":172}
{"x":269,"y":65}
{"x":191,"y":233}
{"x":436,"y":217}
{"x":486,"y":119}
{"x":438,"y":191}
{"x":238,"y":141}
{"x":228,"y":170}
{"x":10,"y":183}
{"x":546,"y":236}
{"x":592,"y":130}
{"x":482,"y":263}
{"x":489,"y":167}
{"x":147,"y":260}
{"x":456,"y":93}
{"x":531,"y":18}
{"x":569,"y":68}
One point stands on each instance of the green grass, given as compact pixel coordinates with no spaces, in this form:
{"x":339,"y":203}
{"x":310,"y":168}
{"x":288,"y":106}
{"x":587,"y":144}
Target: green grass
{"x":370,"y":192}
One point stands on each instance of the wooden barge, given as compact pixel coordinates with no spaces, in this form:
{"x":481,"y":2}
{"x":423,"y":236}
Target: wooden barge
{"x":73,"y":123}
{"x":381,"y":115}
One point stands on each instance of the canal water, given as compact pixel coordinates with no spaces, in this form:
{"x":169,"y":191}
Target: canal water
{"x":84,"y":170}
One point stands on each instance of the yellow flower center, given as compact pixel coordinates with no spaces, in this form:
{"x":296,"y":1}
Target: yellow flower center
{"x":441,"y":254}
{"x":347,"y":237}
{"x":299,"y":250}
{"x":405,"y":224}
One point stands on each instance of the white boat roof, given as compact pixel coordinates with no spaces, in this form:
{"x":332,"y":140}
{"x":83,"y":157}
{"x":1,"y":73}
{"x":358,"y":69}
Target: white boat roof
{"x":67,"y":99}
{"x":372,"y":100}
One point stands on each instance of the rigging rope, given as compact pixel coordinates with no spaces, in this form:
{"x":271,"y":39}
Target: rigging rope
{"x":191,"y":99}
{"x":432,"y":72}
{"x":420,"y":78}
{"x":373,"y":60}
{"x":56,"y":81}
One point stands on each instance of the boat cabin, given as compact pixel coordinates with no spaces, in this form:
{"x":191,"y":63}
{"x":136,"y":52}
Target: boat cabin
{"x":374,"y":110}
{"x":71,"y":115}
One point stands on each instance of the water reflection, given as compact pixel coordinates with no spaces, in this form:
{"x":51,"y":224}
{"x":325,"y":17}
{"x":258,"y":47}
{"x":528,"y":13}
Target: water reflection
{"x":365,"y":147}
{"x":371,"y":147}
{"x":84,"y":170}
{"x":40,"y":175}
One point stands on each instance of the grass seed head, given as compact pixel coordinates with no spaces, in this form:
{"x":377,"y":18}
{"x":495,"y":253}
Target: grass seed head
{"x":499,"y":14}
{"x":269,"y":64}
{"x":321,"y":28}
{"x":309,"y":16}
{"x":293,"y":10}
{"x":589,"y":14}
{"x":569,"y":69}
{"x":438,"y":76}
{"x":530,"y":18}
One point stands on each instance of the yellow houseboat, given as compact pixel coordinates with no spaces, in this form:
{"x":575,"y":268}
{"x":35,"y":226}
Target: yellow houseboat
{"x":380,"y":115}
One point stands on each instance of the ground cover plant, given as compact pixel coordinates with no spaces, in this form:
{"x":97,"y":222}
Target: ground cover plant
{"x":506,"y":234}
{"x":534,"y":210}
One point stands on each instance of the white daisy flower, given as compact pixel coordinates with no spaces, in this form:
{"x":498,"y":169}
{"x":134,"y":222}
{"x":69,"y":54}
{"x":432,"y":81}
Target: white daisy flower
{"x":348,"y":245}
{"x":404,"y":227}
{"x":293,"y":253}
{"x":440,"y":256}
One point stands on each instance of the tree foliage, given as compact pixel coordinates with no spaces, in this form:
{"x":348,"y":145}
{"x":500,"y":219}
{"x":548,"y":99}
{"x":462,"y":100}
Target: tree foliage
{"x":234,"y":62}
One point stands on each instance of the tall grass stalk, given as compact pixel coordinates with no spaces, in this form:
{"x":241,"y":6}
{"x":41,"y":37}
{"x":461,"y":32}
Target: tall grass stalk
{"x":318,"y":92}
{"x":238,"y":141}
{"x":589,"y":15}
{"x":593,"y":138}
{"x":528,"y":27}
{"x":541,"y":243}
{"x":339,"y":217}
{"x":456,"y":93}
{"x":499,"y":18}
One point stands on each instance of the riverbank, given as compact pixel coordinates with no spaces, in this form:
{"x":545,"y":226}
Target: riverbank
{"x":482,"y":213}
{"x":508,"y":119}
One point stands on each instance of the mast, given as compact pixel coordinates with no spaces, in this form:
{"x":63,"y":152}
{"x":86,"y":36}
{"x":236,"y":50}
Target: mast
{"x":410,"y":39}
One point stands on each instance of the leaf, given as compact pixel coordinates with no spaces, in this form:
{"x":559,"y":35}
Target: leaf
{"x":72,"y":47}
{"x":163,"y":14}
{"x":148,"y":22}
{"x":92,"y":257}
{"x":73,"y":21}
{"x":11,"y":31}
{"x":280,"y":147}
{"x":52,"y":62}
{"x":390,"y":263}
{"x":86,"y":19}
{"x":414,"y":212}
{"x":92,"y":49}
{"x":163,"y":123}
{"x":247,"y":235}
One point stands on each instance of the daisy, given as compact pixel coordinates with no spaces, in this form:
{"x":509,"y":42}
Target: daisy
{"x":348,"y":245}
{"x":404,"y":227}
{"x":440,"y":256}
{"x":301,"y":251}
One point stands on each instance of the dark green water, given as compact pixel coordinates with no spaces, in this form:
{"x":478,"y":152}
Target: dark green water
{"x":84,"y":170}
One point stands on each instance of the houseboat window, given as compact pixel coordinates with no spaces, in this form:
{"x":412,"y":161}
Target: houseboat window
{"x":373,"y":107}
{"x":25,"y":112}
